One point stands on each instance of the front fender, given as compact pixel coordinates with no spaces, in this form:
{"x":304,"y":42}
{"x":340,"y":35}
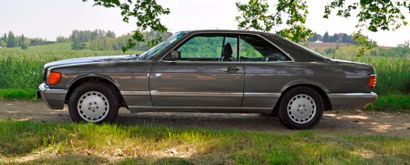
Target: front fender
{"x":99,"y":76}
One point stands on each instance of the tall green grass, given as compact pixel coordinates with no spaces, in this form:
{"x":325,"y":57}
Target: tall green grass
{"x":22,"y":69}
{"x":393,"y":74}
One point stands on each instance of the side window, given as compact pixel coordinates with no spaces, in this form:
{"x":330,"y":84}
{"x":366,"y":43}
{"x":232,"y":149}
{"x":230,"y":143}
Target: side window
{"x":201,"y":48}
{"x":253,"y":48}
{"x":209,"y":48}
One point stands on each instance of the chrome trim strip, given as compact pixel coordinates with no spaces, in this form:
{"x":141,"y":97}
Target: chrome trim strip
{"x":198,"y":107}
{"x":352,"y":95}
{"x":251,"y":94}
{"x":46,"y":89}
{"x":199,"y":94}
{"x":357,"y":76}
{"x":196,"y":94}
{"x":135,"y":93}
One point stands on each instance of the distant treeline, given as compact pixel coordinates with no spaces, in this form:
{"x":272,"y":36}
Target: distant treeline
{"x":83,"y":39}
{"x":10,"y":40}
{"x":107,"y":40}
{"x":338,"y":37}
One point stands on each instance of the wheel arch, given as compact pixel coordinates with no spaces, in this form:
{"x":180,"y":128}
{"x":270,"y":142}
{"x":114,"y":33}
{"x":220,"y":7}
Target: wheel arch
{"x":322,"y":90}
{"x":73,"y":84}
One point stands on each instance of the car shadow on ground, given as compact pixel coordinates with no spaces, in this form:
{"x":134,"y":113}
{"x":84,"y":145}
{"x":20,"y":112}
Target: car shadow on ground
{"x":203,"y":120}
{"x":336,"y":122}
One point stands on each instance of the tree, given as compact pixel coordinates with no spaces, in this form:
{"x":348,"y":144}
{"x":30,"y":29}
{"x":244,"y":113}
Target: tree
{"x":374,"y":14}
{"x":11,"y":40}
{"x":315,"y":37}
{"x":24,"y":42}
{"x":291,"y":14}
{"x":80,"y":37}
{"x":110,"y":34}
{"x":325,"y":37}
{"x":62,"y":39}
{"x":255,"y":15}
{"x":146,"y":12}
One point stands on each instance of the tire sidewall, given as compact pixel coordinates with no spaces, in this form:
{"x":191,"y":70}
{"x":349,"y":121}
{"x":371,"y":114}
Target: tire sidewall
{"x":283,"y":112}
{"x":105,"y":90}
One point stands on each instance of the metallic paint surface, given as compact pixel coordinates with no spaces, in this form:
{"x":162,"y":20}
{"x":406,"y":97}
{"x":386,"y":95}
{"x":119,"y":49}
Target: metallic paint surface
{"x":208,"y":86}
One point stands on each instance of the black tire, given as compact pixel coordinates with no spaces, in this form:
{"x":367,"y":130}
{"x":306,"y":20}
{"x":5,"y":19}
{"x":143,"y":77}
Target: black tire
{"x":285,"y":117}
{"x":102,"y":88}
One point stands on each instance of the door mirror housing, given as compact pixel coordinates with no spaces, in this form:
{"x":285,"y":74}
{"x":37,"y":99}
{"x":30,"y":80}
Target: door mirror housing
{"x":174,"y":55}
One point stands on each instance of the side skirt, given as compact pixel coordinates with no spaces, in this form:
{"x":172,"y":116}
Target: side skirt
{"x":136,"y":109}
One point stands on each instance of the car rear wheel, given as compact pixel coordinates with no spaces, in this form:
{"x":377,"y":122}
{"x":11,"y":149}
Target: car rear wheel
{"x":301,"y":108}
{"x":93,"y":103}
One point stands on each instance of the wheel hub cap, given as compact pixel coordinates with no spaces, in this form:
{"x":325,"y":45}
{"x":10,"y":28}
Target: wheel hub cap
{"x":301,"y":108}
{"x":93,"y":106}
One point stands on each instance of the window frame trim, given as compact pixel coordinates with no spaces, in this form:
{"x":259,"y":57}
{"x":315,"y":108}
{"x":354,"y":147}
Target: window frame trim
{"x":237,"y":34}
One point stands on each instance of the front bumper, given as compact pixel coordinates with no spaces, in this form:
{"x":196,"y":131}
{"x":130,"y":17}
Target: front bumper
{"x":54,"y":97}
{"x":351,"y":100}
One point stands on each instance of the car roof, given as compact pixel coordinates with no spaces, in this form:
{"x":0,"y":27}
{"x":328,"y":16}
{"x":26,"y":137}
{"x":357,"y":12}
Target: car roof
{"x":298,"y":52}
{"x":226,"y":31}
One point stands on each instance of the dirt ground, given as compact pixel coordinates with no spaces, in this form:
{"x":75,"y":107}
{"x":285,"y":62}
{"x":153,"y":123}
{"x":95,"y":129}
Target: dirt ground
{"x":355,"y":122}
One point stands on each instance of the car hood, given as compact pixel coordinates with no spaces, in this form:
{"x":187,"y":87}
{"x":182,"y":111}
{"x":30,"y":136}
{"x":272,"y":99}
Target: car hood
{"x":88,"y":60}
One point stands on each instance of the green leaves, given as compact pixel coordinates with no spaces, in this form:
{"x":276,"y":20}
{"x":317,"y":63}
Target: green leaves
{"x":375,"y":15}
{"x":290,"y":15}
{"x":255,"y":15}
{"x":146,"y":14}
{"x":364,"y":42}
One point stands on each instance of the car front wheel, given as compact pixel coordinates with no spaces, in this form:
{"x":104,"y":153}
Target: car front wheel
{"x":301,"y":108}
{"x":93,"y":103}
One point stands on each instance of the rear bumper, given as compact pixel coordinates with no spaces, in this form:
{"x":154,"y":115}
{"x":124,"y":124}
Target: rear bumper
{"x":54,"y":97}
{"x":351,"y":100}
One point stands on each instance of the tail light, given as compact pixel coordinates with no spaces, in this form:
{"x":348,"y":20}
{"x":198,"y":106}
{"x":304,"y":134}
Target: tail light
{"x":53,"y":78}
{"x":372,"y":82}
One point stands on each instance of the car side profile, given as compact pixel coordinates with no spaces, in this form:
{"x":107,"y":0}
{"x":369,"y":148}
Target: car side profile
{"x":222,"y":71}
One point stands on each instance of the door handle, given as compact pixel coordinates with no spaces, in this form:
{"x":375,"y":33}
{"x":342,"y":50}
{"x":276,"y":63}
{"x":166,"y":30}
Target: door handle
{"x":232,"y":69}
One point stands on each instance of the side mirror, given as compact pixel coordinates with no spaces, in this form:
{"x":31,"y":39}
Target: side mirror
{"x":175,"y":55}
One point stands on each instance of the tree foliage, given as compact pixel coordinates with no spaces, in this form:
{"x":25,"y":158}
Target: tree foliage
{"x":373,"y":15}
{"x":117,"y":43}
{"x":11,"y":40}
{"x":24,"y":43}
{"x":335,"y":38}
{"x":288,"y":18}
{"x":376,"y":15}
{"x":255,"y":15}
{"x":146,"y":14}
{"x":80,"y":37}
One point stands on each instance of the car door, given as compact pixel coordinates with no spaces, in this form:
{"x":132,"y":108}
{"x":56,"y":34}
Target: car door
{"x":201,"y":76}
{"x":267,"y":70}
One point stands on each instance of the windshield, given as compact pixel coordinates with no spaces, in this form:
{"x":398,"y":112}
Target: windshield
{"x":161,"y":46}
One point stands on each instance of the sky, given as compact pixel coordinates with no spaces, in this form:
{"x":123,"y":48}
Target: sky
{"x":52,"y":18}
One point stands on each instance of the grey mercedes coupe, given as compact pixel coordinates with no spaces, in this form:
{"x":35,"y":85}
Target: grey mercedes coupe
{"x":211,"y":71}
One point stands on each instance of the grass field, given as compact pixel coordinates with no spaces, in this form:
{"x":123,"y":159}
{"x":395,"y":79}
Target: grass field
{"x":34,"y":143}
{"x":20,"y":72}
